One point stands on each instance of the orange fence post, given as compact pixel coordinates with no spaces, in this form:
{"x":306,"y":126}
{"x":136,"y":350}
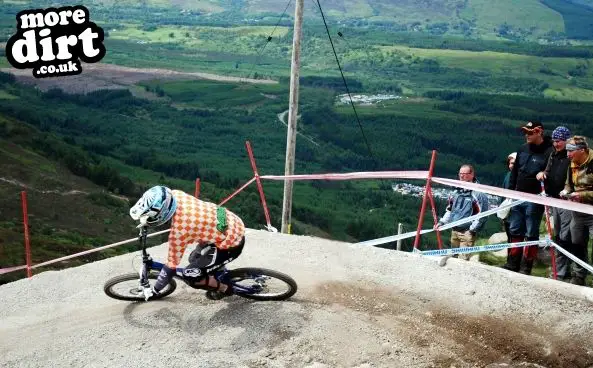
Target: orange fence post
{"x":424,"y":199}
{"x":236,"y":192}
{"x":197,"y":190}
{"x":435,"y":217}
{"x":258,"y":181}
{"x":26,"y":229}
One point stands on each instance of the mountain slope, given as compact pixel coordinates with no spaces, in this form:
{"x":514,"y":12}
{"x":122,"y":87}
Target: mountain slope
{"x":356,"y":307}
{"x":525,"y":18}
{"x":67,"y":213}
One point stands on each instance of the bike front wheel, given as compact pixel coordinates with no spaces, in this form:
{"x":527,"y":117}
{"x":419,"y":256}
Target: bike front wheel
{"x":127,"y":287}
{"x":261,"y":284}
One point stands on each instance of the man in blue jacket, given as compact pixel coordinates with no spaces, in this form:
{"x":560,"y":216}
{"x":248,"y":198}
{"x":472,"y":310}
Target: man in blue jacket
{"x":464,"y":203}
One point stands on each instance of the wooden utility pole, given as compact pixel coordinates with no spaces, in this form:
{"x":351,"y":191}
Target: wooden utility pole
{"x":293,"y":108}
{"x":399,"y":232}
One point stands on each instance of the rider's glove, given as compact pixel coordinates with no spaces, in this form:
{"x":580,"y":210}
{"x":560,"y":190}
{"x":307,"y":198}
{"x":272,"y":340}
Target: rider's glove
{"x":143,"y":221}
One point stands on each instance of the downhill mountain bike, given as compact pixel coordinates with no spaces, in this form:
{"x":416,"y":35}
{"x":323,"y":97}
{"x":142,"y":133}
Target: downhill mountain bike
{"x":247,"y":282}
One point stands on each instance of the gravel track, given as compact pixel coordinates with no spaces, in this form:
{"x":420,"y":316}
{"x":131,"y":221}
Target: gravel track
{"x":356,"y":307}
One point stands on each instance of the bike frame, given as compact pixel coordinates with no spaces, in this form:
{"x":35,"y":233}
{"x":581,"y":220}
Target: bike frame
{"x":148,"y":264}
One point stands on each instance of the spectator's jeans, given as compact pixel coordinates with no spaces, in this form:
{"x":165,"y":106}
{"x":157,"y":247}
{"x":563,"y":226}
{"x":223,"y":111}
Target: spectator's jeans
{"x":524,"y":220}
{"x":562,"y":219}
{"x":581,"y":227}
{"x":462,"y":239}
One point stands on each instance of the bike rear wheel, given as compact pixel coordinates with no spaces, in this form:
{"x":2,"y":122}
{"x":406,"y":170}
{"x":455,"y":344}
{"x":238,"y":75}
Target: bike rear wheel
{"x":261,"y":284}
{"x":126,"y":287}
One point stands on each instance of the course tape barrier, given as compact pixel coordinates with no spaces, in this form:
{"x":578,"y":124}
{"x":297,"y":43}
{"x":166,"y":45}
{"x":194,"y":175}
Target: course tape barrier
{"x":354,"y":175}
{"x":481,"y":248}
{"x":585,"y":265}
{"x":389,"y":239}
{"x":496,"y":247}
{"x":12,"y":269}
{"x":507,"y":193}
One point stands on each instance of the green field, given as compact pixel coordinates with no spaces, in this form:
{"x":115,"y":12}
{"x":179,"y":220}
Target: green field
{"x":494,"y":62}
{"x":192,"y":37}
{"x":559,"y":73}
{"x":570,"y":94}
{"x":210,"y":6}
{"x":523,"y":14}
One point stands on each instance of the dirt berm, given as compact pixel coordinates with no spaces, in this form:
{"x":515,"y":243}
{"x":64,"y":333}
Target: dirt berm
{"x":356,"y":307}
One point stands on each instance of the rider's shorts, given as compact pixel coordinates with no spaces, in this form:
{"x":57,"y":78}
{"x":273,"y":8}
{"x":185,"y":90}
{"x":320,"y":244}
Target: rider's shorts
{"x":204,"y":260}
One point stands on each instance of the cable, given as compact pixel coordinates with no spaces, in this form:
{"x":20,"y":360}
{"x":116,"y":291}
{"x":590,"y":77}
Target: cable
{"x":346,"y":84}
{"x":268,"y":40}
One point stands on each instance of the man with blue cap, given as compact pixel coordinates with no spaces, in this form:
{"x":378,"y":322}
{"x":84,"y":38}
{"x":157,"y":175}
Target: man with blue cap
{"x":554,"y":178}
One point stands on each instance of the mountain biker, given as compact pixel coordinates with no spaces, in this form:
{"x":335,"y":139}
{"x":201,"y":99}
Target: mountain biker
{"x":219,"y":235}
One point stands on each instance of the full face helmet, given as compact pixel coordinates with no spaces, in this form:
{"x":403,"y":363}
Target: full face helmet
{"x":157,"y":205}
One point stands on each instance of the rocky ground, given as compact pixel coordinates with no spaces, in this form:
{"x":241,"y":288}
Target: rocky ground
{"x":356,"y":307}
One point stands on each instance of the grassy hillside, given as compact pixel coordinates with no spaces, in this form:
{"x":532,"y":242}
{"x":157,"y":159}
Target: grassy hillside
{"x":463,"y":96}
{"x":502,"y":19}
{"x":70,"y":213}
{"x":565,"y":77}
{"x":577,"y":16}
{"x":67,"y":213}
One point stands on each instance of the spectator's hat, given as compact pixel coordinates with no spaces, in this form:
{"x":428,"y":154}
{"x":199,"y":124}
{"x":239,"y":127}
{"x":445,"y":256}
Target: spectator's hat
{"x":532,"y":127}
{"x":561,"y":133}
{"x":577,"y":142}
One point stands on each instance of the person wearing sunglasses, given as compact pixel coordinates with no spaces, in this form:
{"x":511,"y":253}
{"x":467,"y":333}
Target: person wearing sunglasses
{"x":525,"y":218}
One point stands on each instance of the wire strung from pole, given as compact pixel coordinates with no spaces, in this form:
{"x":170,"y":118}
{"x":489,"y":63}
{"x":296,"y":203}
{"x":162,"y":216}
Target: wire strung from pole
{"x":345,"y":40}
{"x":346,"y":84}
{"x":268,"y":39}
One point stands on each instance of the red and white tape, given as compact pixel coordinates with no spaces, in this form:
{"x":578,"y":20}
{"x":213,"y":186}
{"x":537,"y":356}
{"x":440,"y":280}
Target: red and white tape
{"x":17,"y":268}
{"x":354,"y":175}
{"x":507,"y":193}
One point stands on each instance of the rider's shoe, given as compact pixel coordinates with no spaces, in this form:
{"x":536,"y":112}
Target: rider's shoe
{"x":217,"y":295}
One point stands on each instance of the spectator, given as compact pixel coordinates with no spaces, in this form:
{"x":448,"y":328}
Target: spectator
{"x":554,"y":178}
{"x":579,"y":188}
{"x":510,"y":163}
{"x":524,"y":219}
{"x":461,"y":204}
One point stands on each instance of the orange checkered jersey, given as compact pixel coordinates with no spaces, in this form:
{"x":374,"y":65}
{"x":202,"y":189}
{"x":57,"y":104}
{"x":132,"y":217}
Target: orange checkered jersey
{"x":195,"y":222}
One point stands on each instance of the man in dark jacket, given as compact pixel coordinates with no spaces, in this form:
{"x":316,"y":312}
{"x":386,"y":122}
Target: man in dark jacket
{"x":525,"y":218}
{"x":554,"y":178}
